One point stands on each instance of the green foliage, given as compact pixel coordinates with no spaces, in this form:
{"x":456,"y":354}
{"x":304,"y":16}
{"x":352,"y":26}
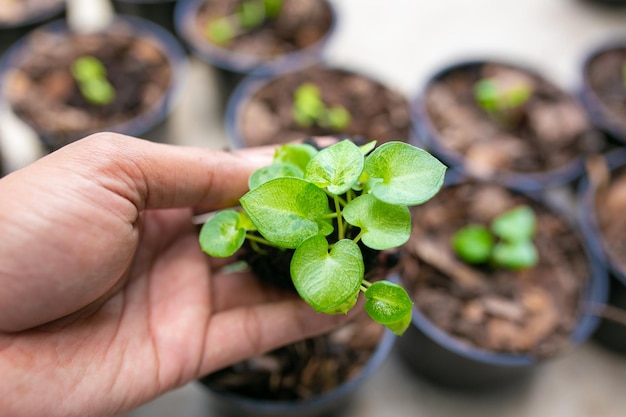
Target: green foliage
{"x":322,"y":204}
{"x":91,"y":77}
{"x":507,"y":243}
{"x":503,"y":102}
{"x":249,"y":15}
{"x":309,"y":109}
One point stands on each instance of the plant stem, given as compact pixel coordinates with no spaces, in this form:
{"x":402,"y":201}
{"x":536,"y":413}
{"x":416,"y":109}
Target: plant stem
{"x":258,"y":239}
{"x":358,"y":237}
{"x":365,"y":285}
{"x":340,"y":229}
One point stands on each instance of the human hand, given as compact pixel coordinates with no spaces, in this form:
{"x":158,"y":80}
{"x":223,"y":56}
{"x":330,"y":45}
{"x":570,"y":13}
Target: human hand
{"x":106,"y":300}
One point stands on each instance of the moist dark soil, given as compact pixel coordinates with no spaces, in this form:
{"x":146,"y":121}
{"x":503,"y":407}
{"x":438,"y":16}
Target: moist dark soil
{"x":531,"y":311}
{"x":305,"y":369}
{"x":43,"y":92}
{"x":553,"y":129}
{"x":300,"y":24}
{"x":605,"y":76}
{"x":14,"y":12}
{"x":377,"y":112}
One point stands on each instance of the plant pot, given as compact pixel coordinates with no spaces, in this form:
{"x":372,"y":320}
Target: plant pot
{"x":144,"y":63}
{"x":19,"y":18}
{"x":603,"y":91}
{"x":260,"y":110}
{"x":600,"y":212}
{"x":334,"y":399}
{"x":262,"y":52}
{"x":543,"y":146}
{"x":482,"y":327}
{"x":157,"y":11}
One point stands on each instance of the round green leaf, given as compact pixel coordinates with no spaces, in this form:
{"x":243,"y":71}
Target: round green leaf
{"x":270,"y":172}
{"x":222,"y":235}
{"x":389,"y":304}
{"x":383,"y":225}
{"x":287,"y":211}
{"x":328,"y":281}
{"x":515,"y":255}
{"x":516,"y":224}
{"x":337,"y":167}
{"x":298,"y":154}
{"x":404,"y":174}
{"x":473,"y":243}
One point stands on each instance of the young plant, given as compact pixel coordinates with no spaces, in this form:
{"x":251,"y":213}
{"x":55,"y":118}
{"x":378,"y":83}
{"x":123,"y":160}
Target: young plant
{"x":324,"y":206}
{"x":309,"y":109}
{"x":249,"y":15}
{"x":91,"y":77}
{"x":506,"y":243}
{"x":502,"y":101}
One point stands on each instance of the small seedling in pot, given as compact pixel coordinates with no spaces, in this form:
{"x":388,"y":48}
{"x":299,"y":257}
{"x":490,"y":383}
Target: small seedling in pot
{"x":249,"y":15}
{"x":506,"y":243}
{"x":309,"y":109}
{"x":321,"y":206}
{"x":91,"y":76}
{"x":503,"y":101}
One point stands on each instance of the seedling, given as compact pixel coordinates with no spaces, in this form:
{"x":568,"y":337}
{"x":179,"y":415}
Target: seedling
{"x":250,"y":14}
{"x":91,"y":77}
{"x":322,"y":205}
{"x":503,"y":102}
{"x":309,"y":109}
{"x":506,"y":243}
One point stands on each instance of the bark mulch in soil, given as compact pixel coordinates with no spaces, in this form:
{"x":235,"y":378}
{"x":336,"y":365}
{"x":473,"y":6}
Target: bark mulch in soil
{"x":300,"y":24}
{"x":524,"y":312}
{"x":42,"y":91}
{"x":377,"y":112}
{"x":554,"y":129}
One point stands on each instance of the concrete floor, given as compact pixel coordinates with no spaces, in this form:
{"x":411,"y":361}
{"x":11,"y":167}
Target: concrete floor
{"x":401,"y":42}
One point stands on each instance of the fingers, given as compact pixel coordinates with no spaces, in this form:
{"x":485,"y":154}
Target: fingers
{"x":237,"y":334}
{"x":154,"y":175}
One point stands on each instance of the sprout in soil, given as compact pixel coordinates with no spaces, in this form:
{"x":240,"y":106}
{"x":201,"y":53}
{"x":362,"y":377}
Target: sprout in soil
{"x":506,"y":243}
{"x":309,"y":109}
{"x":503,"y":101}
{"x":91,"y":77}
{"x":249,"y":15}
{"x":324,"y":205}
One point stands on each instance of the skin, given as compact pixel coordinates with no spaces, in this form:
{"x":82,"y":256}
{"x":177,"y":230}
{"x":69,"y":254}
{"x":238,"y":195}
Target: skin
{"x":106,"y":300}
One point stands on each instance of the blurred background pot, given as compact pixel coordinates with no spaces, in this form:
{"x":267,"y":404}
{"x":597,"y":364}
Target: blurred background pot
{"x":539,"y":143}
{"x":484,"y":327}
{"x":144,"y":63}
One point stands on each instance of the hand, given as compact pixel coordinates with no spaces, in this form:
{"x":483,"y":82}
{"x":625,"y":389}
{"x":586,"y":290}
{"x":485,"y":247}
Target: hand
{"x":106,"y":300}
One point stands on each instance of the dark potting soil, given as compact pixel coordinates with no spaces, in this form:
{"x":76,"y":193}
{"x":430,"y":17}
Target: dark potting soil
{"x":531,"y":311}
{"x":552,"y":132}
{"x":610,"y":206}
{"x":43,"y":92}
{"x":605,"y":75}
{"x":13,"y":12}
{"x":300,"y":24}
{"x":305,"y":369}
{"x":377,"y":112}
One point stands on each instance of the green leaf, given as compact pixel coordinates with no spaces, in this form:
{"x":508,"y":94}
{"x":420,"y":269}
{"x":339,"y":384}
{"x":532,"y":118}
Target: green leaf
{"x":298,"y":154}
{"x":338,"y":118}
{"x":328,"y":281}
{"x":337,"y":167}
{"x":368,"y":147}
{"x":516,"y":224}
{"x":222,"y":234}
{"x":264,"y":174}
{"x":287,"y":211}
{"x":389,"y":304}
{"x":515,"y":255}
{"x":404,"y":174}
{"x":473,"y":243}
{"x":273,"y":8}
{"x":221,"y":31}
{"x":383,"y":225}
{"x":251,"y":14}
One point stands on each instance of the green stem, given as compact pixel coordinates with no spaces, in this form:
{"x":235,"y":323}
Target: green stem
{"x":259,"y":239}
{"x":330,"y":216}
{"x":365,"y":285}
{"x":340,"y":228}
{"x":358,"y":237}
{"x":336,"y":198}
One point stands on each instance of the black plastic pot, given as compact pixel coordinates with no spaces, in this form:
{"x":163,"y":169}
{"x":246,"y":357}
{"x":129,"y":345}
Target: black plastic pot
{"x":447,"y":361}
{"x":612,"y":124}
{"x":429,"y":138}
{"x":610,"y":333}
{"x":157,"y":11}
{"x":146,"y":124}
{"x":232,"y":67}
{"x":329,"y":404}
{"x":10,"y":32}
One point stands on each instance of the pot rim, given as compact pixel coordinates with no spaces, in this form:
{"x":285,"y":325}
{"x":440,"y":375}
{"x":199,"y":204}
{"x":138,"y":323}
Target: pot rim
{"x":36,"y":17}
